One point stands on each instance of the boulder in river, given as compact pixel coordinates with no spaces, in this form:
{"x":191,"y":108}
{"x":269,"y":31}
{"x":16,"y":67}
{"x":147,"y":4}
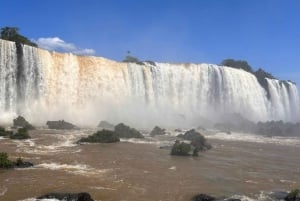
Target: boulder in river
{"x":61,"y":125}
{"x":205,"y":197}
{"x":68,"y":196}
{"x":124,"y":131}
{"x":157,"y":131}
{"x":22,"y":122}
{"x":106,"y":125}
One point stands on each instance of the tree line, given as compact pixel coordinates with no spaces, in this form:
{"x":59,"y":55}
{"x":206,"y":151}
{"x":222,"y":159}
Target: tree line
{"x":12,"y":34}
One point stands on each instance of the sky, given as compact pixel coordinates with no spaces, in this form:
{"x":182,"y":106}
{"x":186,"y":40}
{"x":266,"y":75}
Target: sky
{"x":266,"y":33}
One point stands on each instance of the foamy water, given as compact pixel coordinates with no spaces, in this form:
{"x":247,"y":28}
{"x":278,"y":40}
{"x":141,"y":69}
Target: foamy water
{"x":3,"y":190}
{"x":34,"y":199}
{"x":78,"y":169}
{"x":245,"y":137}
{"x":61,"y":143}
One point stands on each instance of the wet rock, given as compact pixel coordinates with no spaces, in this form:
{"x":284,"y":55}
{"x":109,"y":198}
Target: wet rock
{"x":124,"y":131}
{"x":178,"y":130}
{"x":181,"y":149}
{"x":180,"y":136}
{"x":68,"y":196}
{"x":22,"y":122}
{"x":103,"y":136}
{"x":157,"y":131}
{"x":205,"y":197}
{"x":106,"y":125}
{"x":197,"y":140}
{"x":61,"y":124}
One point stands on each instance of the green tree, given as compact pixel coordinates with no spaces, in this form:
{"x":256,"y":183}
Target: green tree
{"x":237,"y":64}
{"x":12,"y":34}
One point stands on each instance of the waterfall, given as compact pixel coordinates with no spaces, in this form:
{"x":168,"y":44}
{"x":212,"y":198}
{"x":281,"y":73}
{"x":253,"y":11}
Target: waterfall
{"x":44,"y":85}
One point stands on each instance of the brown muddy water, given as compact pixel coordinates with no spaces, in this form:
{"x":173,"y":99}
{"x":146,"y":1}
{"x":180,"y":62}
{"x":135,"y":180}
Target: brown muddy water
{"x":138,"y":170}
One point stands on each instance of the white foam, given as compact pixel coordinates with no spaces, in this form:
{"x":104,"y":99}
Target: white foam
{"x":263,"y":196}
{"x":246,"y":137}
{"x":103,"y":188}
{"x":63,"y":142}
{"x":148,"y":141}
{"x":3,"y":190}
{"x":34,"y":199}
{"x":79,"y":169}
{"x":172,"y":168}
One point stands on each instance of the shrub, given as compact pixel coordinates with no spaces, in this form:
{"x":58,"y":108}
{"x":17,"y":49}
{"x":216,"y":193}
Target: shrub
{"x":4,"y":161}
{"x":21,"y":134}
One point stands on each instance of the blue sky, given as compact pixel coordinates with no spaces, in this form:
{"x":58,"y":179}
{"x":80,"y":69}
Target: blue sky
{"x":266,"y":33}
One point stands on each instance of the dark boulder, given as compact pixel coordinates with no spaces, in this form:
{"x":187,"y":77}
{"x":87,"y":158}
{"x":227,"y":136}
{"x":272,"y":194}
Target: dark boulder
{"x":106,"y":125}
{"x":203,"y":197}
{"x":61,"y":124}
{"x":68,"y":196}
{"x":124,"y":131}
{"x":181,"y":149}
{"x":197,"y":140}
{"x":157,"y":131}
{"x":22,"y":122}
{"x":103,"y":136}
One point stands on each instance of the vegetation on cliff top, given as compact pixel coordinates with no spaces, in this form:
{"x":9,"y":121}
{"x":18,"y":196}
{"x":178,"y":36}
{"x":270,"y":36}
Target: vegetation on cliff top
{"x":260,"y":74}
{"x":12,"y":34}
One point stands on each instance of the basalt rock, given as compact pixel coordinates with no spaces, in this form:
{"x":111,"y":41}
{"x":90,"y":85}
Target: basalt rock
{"x":197,"y":140}
{"x":157,"y":131}
{"x":22,"y":122}
{"x":181,"y":149}
{"x":106,"y":125}
{"x":124,"y":131}
{"x":61,"y":125}
{"x":68,"y":196}
{"x":204,"y":197}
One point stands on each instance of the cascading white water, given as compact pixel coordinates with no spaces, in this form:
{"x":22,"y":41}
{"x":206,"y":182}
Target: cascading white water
{"x":43,"y":85}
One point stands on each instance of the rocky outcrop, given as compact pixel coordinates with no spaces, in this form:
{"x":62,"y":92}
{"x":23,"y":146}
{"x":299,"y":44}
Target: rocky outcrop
{"x":181,"y":149}
{"x":198,"y":143}
{"x":106,"y":125}
{"x":124,"y":131}
{"x":157,"y":131}
{"x":68,"y":196}
{"x":204,"y":197}
{"x":103,"y":136}
{"x":61,"y":125}
{"x":197,"y":140}
{"x":22,"y":122}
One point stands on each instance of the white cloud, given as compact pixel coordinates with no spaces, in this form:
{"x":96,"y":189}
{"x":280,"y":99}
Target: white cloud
{"x":57,"y":44}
